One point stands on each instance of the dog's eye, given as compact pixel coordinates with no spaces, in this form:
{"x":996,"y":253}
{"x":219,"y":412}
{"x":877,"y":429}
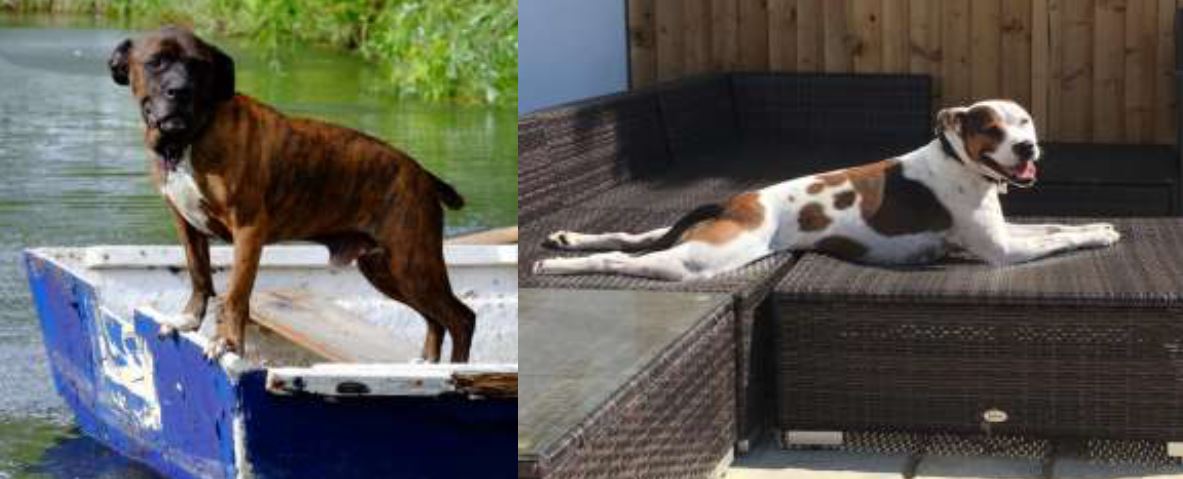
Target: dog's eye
{"x":154,"y":63}
{"x":1024,"y":121}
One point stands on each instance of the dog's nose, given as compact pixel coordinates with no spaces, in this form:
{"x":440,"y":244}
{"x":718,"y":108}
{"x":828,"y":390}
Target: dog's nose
{"x":172,"y":125}
{"x":176,"y":93}
{"x":1025,"y":149}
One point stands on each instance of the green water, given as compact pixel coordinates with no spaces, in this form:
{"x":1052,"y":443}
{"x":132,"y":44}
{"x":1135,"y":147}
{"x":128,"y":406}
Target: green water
{"x":73,"y":172}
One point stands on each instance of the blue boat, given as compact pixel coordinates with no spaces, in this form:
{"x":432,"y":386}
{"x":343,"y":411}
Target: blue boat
{"x":328,"y":386}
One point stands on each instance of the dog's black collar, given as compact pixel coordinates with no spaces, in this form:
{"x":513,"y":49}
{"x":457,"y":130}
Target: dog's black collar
{"x":952,"y":154}
{"x":948,"y":147}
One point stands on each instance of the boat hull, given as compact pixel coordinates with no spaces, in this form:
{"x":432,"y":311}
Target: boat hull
{"x":160,"y":402}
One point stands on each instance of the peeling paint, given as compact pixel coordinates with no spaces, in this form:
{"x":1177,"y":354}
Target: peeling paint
{"x":128,"y":385}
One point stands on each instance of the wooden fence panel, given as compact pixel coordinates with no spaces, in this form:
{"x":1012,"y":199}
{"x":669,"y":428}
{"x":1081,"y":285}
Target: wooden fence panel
{"x":1088,"y":70}
{"x":782,"y":35}
{"x":810,"y":36}
{"x":1108,"y":68}
{"x":866,"y":18}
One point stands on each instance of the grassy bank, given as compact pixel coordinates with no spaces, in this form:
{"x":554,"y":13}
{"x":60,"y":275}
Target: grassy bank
{"x":434,"y":49}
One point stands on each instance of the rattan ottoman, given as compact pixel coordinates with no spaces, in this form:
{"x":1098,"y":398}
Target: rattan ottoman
{"x":625,"y":384}
{"x":1085,"y":344}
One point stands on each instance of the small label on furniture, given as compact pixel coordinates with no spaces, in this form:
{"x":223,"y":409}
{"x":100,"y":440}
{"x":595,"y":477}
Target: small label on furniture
{"x":994,"y":416}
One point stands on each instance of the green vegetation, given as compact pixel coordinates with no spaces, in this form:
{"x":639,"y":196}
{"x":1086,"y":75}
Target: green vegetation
{"x":434,"y":49}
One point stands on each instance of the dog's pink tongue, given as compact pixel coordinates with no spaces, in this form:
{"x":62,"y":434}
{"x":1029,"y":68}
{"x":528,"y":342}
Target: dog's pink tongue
{"x":1026,"y":171}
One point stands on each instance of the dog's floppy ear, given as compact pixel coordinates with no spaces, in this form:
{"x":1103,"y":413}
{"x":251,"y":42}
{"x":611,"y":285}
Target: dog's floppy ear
{"x":223,"y":75}
{"x":951,"y":119}
{"x":118,"y":62}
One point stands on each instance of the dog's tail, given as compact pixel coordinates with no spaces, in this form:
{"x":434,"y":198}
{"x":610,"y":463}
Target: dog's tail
{"x":448,"y":195}
{"x":687,"y":221}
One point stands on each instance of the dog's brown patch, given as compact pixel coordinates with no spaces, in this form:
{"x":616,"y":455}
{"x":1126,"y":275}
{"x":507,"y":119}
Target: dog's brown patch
{"x":841,"y":246}
{"x":844,"y":199}
{"x":981,"y":132}
{"x":833,"y":179}
{"x":815,"y":188}
{"x":741,"y":213}
{"x":812,"y":217}
{"x":894,"y":205}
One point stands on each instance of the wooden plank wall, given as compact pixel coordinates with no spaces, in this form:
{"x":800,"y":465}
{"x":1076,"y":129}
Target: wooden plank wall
{"x":1088,"y":70}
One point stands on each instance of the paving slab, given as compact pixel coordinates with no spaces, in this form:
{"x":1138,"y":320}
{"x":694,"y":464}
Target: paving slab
{"x":1074,"y":468}
{"x":977,"y":467}
{"x":770,"y":462}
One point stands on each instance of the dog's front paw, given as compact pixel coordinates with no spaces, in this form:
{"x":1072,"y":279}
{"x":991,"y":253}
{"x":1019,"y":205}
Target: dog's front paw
{"x":186,"y":322}
{"x":539,"y":267}
{"x":216,"y":347}
{"x":1100,"y":238}
{"x":1111,"y":236}
{"x":1099,"y":227}
{"x":559,"y":240}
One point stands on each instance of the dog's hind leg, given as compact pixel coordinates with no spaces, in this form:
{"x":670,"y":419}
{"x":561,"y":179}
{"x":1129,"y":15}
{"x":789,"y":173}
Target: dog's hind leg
{"x":570,"y":240}
{"x":686,"y":261}
{"x":424,"y":287}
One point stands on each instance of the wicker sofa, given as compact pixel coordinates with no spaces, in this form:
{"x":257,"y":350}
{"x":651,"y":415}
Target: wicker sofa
{"x":639,"y":160}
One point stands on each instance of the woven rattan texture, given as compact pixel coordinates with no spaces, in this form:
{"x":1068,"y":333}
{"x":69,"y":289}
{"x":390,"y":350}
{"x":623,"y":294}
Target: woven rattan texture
{"x":591,"y":147}
{"x":639,"y":160}
{"x":749,"y":285}
{"x":1088,"y":344}
{"x":1109,"y":452}
{"x":1143,"y":269}
{"x":829,"y":108}
{"x":673,"y":420}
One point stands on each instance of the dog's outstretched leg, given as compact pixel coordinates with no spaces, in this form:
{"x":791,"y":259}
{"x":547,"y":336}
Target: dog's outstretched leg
{"x":686,"y":261}
{"x":1016,"y":230}
{"x":572,"y":241}
{"x":999,"y":246}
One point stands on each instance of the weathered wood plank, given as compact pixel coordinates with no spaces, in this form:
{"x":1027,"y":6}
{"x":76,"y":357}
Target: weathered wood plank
{"x":1041,"y":67}
{"x":696,"y":30}
{"x":867,"y":23}
{"x":810,"y":36}
{"x":753,"y":34}
{"x":1016,"y":47}
{"x":1164,"y":77}
{"x":486,"y":384}
{"x":895,"y":35}
{"x":956,"y":88}
{"x":642,"y":43}
{"x":1108,"y":123}
{"x":1077,"y":77}
{"x":985,"y":41}
{"x":327,"y":330}
{"x":338,"y":379}
{"x":1140,"y":33}
{"x":724,"y":35}
{"x":837,"y":36}
{"x":782,"y":35}
{"x":506,"y":235}
{"x":1055,"y":97}
{"x":924,"y":44}
{"x":669,"y":39}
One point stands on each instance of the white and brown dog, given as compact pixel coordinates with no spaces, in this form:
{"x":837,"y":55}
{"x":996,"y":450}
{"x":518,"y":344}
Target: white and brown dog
{"x":907,"y":210}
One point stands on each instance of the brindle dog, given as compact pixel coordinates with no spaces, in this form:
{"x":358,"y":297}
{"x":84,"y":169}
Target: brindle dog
{"x":234,"y":168}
